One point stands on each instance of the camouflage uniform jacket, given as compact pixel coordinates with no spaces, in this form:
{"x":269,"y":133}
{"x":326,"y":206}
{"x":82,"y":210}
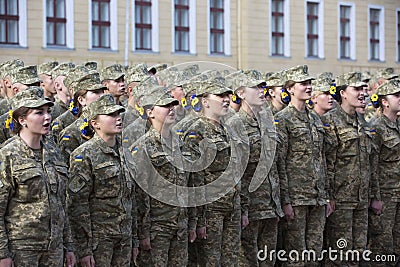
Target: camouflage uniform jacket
{"x":265,"y":201}
{"x":387,"y":140}
{"x":32,"y":199}
{"x":272,"y":107}
{"x":349,"y":159}
{"x":130,"y":116}
{"x":5,"y":133}
{"x":61,"y":122}
{"x":61,"y":108}
{"x":301,"y":161}
{"x":71,"y":138}
{"x":219,"y":136}
{"x":5,"y":105}
{"x":101,"y":199}
{"x":155,"y":214}
{"x":134,"y":131}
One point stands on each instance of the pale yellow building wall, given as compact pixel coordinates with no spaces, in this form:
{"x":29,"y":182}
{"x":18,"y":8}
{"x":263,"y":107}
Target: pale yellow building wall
{"x":249,"y":23}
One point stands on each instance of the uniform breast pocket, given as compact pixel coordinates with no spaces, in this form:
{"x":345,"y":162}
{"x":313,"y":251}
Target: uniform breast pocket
{"x":300,"y":141}
{"x":223,"y":155}
{"x":348,"y":142}
{"x":392,"y":147}
{"x":107,"y":180}
{"x":30,"y":186}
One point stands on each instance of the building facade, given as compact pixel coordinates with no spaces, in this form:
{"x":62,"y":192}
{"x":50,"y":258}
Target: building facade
{"x":267,"y":35}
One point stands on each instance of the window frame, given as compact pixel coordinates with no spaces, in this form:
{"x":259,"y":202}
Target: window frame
{"x":381,"y":39}
{"x":320,"y":31}
{"x":286,"y":30}
{"x":154,"y":28}
{"x":178,"y":28}
{"x":225,"y":31}
{"x":102,"y":23}
{"x":56,"y":20}
{"x":352,"y":30}
{"x":7,"y":17}
{"x":398,"y":34}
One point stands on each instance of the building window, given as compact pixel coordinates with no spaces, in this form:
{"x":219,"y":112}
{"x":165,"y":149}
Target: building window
{"x":143,"y":25}
{"x":101,"y":23}
{"x":9,"y":22}
{"x":182,"y":25}
{"x":346,"y":31}
{"x":56,"y":22}
{"x":398,"y":36}
{"x":312,"y":29}
{"x":217,"y":26}
{"x":376,"y":33}
{"x":278,"y":35}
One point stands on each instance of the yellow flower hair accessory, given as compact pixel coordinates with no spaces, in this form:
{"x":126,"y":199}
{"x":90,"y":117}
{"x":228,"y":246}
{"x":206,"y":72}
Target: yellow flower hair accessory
{"x":9,"y":120}
{"x":374,"y":98}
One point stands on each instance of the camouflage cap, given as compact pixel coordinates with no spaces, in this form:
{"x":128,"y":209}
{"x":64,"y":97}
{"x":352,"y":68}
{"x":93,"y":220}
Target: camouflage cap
{"x":112,"y":72}
{"x":89,"y":82}
{"x":275,"y":80}
{"x":25,"y":75}
{"x":136,"y":73}
{"x":238,"y":79}
{"x":298,"y":74}
{"x":47,"y":67}
{"x":145,"y":86}
{"x":91,"y":65}
{"x":350,"y":79}
{"x":157,"y":97}
{"x":323,"y":82}
{"x":386,"y":73}
{"x":267,"y":74}
{"x":366,"y":76}
{"x":389,"y":88}
{"x":157,"y":68}
{"x":177,"y":78}
{"x":255,"y":74}
{"x":192,"y":69}
{"x":62,"y":69}
{"x":8,"y":66}
{"x":215,"y":86}
{"x":32,"y":97}
{"x":75,"y":74}
{"x":104,"y":105}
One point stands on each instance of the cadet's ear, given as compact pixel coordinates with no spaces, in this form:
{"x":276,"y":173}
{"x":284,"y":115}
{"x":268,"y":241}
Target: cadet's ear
{"x":149,"y":112}
{"x":204,"y":102}
{"x":240,"y":92}
{"x":95,"y":124}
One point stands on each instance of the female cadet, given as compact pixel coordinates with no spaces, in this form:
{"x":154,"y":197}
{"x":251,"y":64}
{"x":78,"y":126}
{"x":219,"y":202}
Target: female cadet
{"x":301,"y":166}
{"x":274,"y":85}
{"x":260,"y":208}
{"x":33,"y":222}
{"x":384,"y":236}
{"x":321,"y":98}
{"x":218,"y":225}
{"x":163,"y":226}
{"x":101,"y":192}
{"x":348,"y":157}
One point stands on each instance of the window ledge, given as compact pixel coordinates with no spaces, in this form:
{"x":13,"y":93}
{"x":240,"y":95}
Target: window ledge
{"x":61,"y":48}
{"x":279,"y":56}
{"x":347,"y":59}
{"x":314,"y":58}
{"x":103,"y":50}
{"x":219,"y":55}
{"x":145,"y":52}
{"x":12,"y":46}
{"x":376,"y":61}
{"x":185,"y":54}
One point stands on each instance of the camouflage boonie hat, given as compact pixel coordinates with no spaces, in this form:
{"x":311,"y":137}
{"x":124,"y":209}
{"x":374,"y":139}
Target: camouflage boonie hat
{"x":215,"y":86}
{"x":366,"y":76}
{"x":157,"y":97}
{"x":62,"y":69}
{"x":104,"y":105}
{"x":89,"y":82}
{"x":47,"y":67}
{"x":238,"y":79}
{"x":112,"y":72}
{"x":275,"y":80}
{"x":91,"y":65}
{"x":157,"y":68}
{"x":32,"y":97}
{"x":386,"y":73}
{"x":323,"y":82}
{"x":389,"y":88}
{"x":350,"y":79}
{"x":75,"y":74}
{"x":8,"y":67}
{"x":25,"y":75}
{"x":298,"y":74}
{"x":136,"y":73}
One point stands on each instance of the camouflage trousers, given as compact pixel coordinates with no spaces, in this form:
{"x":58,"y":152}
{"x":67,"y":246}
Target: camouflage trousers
{"x":258,"y":236}
{"x":167,"y":249}
{"x":221,"y":248}
{"x":348,"y":229}
{"x":305,"y":232}
{"x":113,"y":251}
{"x":384,"y":232}
{"x":30,"y":258}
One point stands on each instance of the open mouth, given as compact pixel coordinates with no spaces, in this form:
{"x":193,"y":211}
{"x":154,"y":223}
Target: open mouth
{"x":46,"y":125}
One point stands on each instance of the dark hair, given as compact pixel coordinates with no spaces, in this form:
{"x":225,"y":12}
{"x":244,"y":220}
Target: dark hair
{"x":77,"y":94}
{"x":19,"y":113}
{"x":289,"y":84}
{"x":337,"y":95}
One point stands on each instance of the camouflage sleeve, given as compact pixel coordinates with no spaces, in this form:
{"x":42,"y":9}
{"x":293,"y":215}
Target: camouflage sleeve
{"x":80,"y":184}
{"x":67,"y":143}
{"x":192,"y":211}
{"x":374,"y":188}
{"x":282,"y":148}
{"x":5,"y":192}
{"x":330,"y":145}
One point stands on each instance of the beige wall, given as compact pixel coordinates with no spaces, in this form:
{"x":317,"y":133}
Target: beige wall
{"x":250,"y":51}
